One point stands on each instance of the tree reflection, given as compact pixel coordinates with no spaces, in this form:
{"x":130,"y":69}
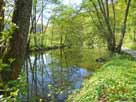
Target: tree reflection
{"x":53,"y":75}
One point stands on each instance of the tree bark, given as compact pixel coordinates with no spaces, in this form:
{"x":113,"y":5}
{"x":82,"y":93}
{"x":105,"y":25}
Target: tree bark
{"x":18,"y":42}
{"x":123,"y":27}
{"x":2,"y":4}
{"x":1,"y":15}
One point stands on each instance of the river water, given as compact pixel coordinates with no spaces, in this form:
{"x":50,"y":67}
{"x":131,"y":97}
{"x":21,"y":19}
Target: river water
{"x":53,"y":75}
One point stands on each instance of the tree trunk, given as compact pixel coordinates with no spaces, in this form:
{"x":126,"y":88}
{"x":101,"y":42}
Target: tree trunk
{"x":134,"y":39}
{"x":1,"y":23}
{"x":18,"y":42}
{"x":124,"y":27}
{"x":1,"y":15}
{"x":111,"y":45}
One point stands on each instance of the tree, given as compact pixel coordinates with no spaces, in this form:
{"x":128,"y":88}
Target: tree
{"x":18,"y":42}
{"x":104,"y":16}
{"x":123,"y":31}
{"x":1,"y":15}
{"x":132,"y":21}
{"x":66,"y":23}
{"x":1,"y":23}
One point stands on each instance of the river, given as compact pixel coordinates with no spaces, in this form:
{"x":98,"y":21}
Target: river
{"x":53,"y":75}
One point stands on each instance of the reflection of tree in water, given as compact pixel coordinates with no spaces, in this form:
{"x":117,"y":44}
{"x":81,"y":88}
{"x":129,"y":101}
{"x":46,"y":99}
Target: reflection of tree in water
{"x":68,"y":57}
{"x":52,"y":76}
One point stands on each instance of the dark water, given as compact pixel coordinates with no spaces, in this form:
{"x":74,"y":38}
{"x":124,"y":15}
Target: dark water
{"x":53,"y":75}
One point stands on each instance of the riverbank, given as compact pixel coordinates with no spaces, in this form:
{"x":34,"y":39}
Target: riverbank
{"x":38,"y":49}
{"x":114,"y":82}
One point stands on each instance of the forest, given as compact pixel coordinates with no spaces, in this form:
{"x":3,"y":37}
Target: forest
{"x":67,"y":51}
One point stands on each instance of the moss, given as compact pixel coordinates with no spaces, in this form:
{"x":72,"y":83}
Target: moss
{"x":114,"y":82}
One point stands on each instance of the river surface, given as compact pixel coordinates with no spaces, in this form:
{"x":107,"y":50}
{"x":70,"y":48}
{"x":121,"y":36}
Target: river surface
{"x":53,"y":75}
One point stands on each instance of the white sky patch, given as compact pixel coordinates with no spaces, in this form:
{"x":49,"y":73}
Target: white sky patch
{"x":72,"y":2}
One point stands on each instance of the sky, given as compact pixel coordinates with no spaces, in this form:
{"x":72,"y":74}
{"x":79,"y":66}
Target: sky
{"x":71,"y":2}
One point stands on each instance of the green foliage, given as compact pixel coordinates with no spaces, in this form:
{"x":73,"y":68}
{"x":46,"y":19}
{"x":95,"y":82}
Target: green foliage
{"x":3,"y":66}
{"x":34,"y":2}
{"x":114,"y":82}
{"x":6,"y":35}
{"x":14,"y":90}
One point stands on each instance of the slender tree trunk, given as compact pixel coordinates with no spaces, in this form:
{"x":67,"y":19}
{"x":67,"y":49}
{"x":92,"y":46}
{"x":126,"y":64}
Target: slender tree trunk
{"x":123,"y":27}
{"x":134,"y":35}
{"x":42,"y":37}
{"x":18,"y":42}
{"x":35,"y":24}
{"x":1,"y":15}
{"x":1,"y":24}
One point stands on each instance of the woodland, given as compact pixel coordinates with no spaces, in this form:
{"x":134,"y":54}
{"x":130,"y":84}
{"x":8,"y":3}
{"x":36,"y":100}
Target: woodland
{"x":67,"y":51}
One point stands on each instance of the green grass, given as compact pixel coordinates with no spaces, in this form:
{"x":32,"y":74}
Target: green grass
{"x":114,"y":82}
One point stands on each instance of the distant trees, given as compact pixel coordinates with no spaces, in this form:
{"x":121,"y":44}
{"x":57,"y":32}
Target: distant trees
{"x":40,"y":19}
{"x":67,"y":27}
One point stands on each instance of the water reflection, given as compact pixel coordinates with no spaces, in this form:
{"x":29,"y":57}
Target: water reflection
{"x":53,"y":75}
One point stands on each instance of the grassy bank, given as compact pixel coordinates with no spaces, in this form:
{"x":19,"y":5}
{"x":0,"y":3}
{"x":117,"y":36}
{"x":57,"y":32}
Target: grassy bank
{"x":114,"y":82}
